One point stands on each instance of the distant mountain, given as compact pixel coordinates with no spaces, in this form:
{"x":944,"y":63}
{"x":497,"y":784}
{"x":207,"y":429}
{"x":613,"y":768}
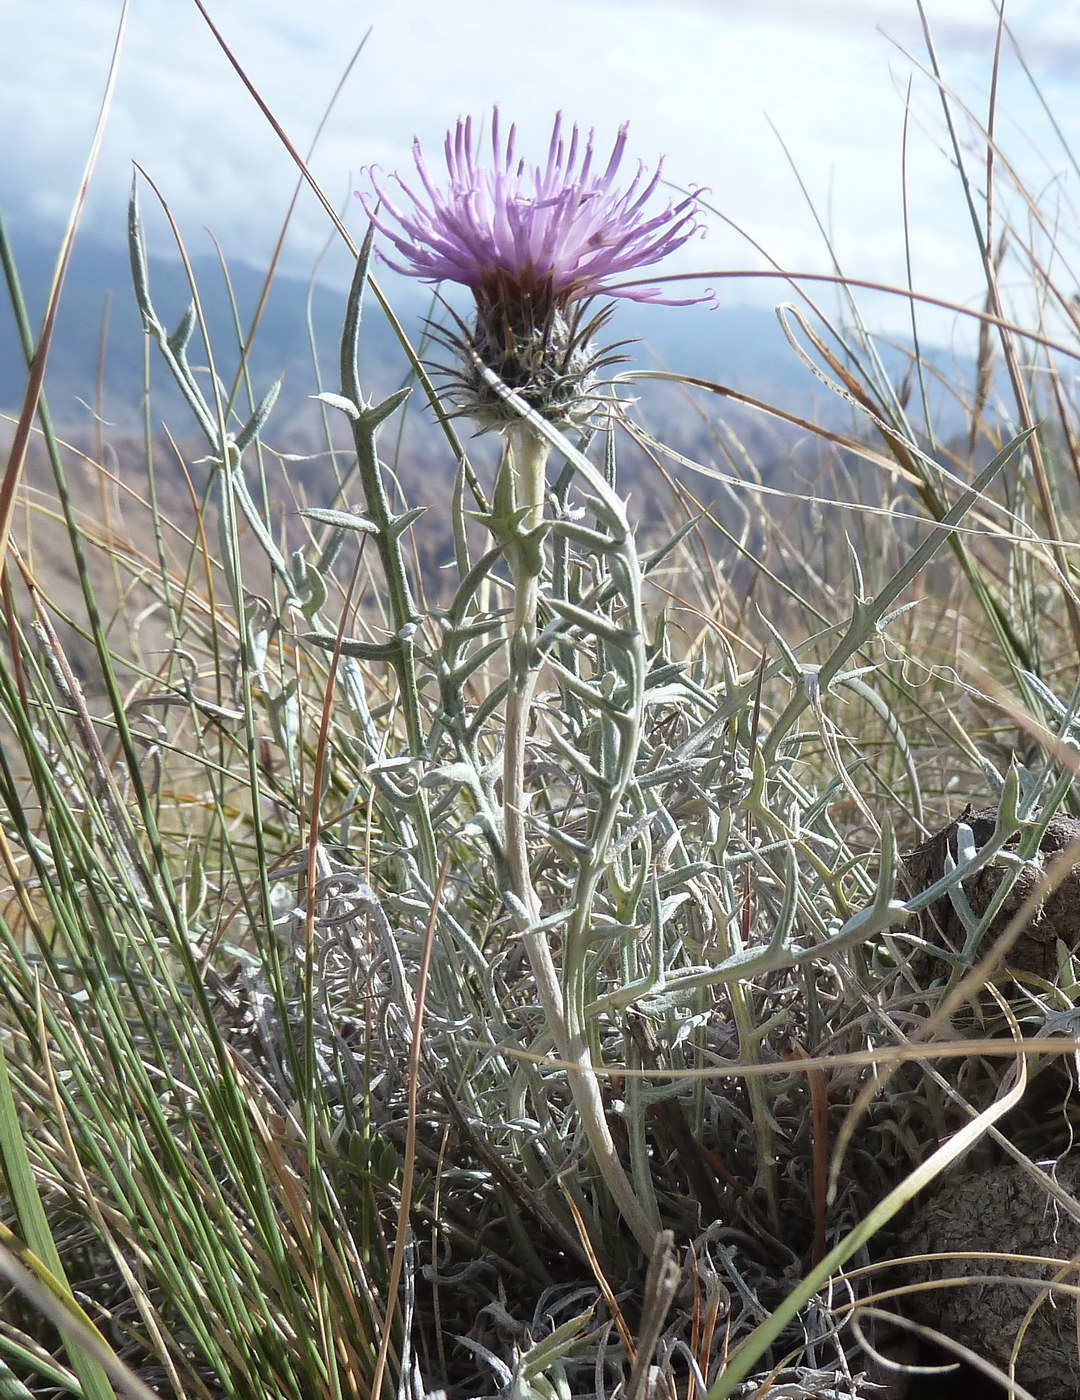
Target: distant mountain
{"x":98,"y":297}
{"x":740,"y":345}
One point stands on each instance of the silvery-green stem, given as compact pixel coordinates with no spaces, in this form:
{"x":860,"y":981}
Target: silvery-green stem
{"x":527,"y":459}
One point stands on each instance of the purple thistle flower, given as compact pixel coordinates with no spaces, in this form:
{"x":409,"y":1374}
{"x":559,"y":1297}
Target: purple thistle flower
{"x":554,"y":234}
{"x":533,"y":245}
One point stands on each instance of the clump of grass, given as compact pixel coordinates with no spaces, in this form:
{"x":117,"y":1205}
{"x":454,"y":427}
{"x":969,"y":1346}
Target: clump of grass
{"x":283,"y":1110}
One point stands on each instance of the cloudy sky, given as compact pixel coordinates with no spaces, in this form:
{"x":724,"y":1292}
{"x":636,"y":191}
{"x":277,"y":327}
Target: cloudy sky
{"x":721,"y":87}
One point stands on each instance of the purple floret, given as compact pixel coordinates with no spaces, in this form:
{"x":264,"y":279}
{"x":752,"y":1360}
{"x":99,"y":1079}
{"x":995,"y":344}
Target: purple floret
{"x":542,"y":236}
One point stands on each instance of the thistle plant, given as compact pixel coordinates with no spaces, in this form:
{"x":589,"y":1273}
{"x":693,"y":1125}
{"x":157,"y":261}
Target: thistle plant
{"x":388,"y":962}
{"x":536,"y":245}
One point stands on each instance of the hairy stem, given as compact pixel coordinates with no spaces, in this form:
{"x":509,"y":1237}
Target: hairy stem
{"x":527,"y":458}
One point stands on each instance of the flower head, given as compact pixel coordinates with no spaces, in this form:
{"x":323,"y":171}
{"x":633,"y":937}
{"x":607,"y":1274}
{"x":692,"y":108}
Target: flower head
{"x":554,"y":233}
{"x":533,"y":244}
